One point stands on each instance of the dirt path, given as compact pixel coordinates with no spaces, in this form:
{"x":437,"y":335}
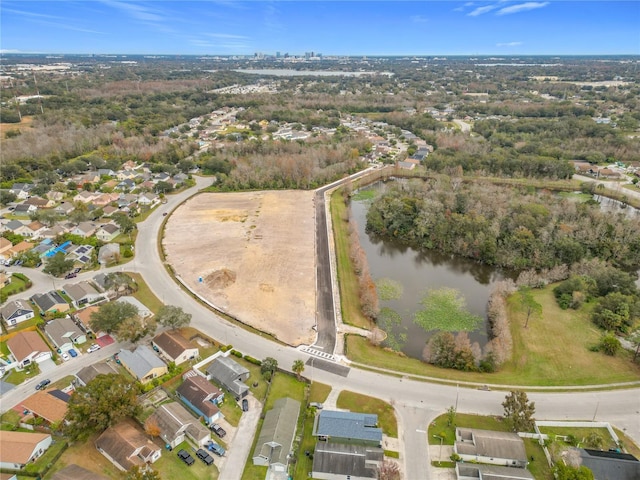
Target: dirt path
{"x":254,"y":253}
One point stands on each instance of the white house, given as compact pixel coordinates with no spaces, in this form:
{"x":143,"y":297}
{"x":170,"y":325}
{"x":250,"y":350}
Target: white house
{"x":19,"y":448}
{"x":16,"y":311}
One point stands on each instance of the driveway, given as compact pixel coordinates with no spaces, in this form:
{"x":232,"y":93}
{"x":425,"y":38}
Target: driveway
{"x":240,"y":445}
{"x":47,"y":365}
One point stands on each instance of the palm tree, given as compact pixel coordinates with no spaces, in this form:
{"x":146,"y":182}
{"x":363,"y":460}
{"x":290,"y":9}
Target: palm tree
{"x":298,"y":368}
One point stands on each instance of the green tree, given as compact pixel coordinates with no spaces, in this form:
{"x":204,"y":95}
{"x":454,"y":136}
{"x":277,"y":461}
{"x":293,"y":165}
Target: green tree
{"x":298,"y":368}
{"x":142,"y":473}
{"x":103,"y":402}
{"x":609,"y":344}
{"x":163,"y":187}
{"x":518,"y":411}
{"x":268,"y":368}
{"x":566,"y":472}
{"x":615,"y":312}
{"x":6,"y":197}
{"x":121,"y":283}
{"x":125,"y":223}
{"x":173,"y":317}
{"x":134,"y":329}
{"x":110,"y":316}
{"x":58,"y":265}
{"x":528,"y":304}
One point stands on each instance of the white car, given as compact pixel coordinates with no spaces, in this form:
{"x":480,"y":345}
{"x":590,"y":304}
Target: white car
{"x":65,"y":356}
{"x":93,"y":348}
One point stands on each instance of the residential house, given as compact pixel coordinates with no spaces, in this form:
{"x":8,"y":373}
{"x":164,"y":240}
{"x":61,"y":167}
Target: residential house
{"x":23,"y":209}
{"x":20,"y":448}
{"x":35,"y":230}
{"x":174,"y":347}
{"x":142,"y":363}
{"x":109,"y":210}
{"x":27,"y":347}
{"x":100,"y":280}
{"x":342,"y":460}
{"x":277,"y":435}
{"x":5,"y":246}
{"x":5,"y":278}
{"x":202,"y":397}
{"x":76,"y":472}
{"x":21,"y":190}
{"x":17,"y":227}
{"x":83,"y":318}
{"x":607,"y":465}
{"x":86,"y":374}
{"x":65,"y":208}
{"x":15,"y":312}
{"x":64,"y":333}
{"x":176,"y":424}
{"x":55,"y":196}
{"x":231,"y":375}
{"x":105,"y":199}
{"x":148,"y":199}
{"x":89,"y":177}
{"x":39,"y":202}
{"x":49,"y":405}
{"x":19,"y":248}
{"x":86,"y":197}
{"x":126,"y":185}
{"x":348,"y":427}
{"x":466,"y":471}
{"x":82,"y":293}
{"x":143,"y":310}
{"x":85,"y":229}
{"x":126,"y":445}
{"x":490,"y":447}
{"x":54,"y":231}
{"x":80,"y":253}
{"x":107,"y":232}
{"x":50,"y":302}
{"x":46,"y":248}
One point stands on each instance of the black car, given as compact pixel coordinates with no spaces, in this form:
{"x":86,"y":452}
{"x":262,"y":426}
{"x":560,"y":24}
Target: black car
{"x":218,"y":430}
{"x":43,"y":384}
{"x":204,"y":456}
{"x":70,"y":275}
{"x":245,"y":405}
{"x":185,"y":457}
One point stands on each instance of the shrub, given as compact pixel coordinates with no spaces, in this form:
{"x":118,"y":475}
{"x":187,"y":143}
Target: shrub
{"x":609,"y":344}
{"x":236,"y":353}
{"x":226,"y":348}
{"x":250,"y":359}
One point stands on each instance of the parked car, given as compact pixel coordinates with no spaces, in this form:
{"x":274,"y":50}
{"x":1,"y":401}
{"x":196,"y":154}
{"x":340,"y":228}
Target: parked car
{"x":43,"y":384}
{"x":204,"y":456}
{"x":186,"y":458}
{"x":93,"y":348}
{"x":218,"y":430}
{"x":245,"y":405}
{"x":65,"y":356}
{"x":73,"y":353}
{"x":70,"y":275}
{"x":76,"y":270}
{"x":216,"y":448}
{"x":316,"y":405}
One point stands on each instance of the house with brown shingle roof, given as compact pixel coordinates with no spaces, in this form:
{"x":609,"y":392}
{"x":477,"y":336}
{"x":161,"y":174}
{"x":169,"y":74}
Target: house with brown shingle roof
{"x":49,"y":405}
{"x":83,"y":317}
{"x":174,"y":347}
{"x":202,"y":397}
{"x":5,"y":245}
{"x":27,"y":347}
{"x":20,"y":448}
{"x":126,"y":445}
{"x":19,"y":248}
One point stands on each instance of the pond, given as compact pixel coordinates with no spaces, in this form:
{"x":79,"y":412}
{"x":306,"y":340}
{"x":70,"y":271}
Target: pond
{"x":418,"y":271}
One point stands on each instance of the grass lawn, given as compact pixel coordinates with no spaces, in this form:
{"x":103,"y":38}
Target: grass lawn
{"x":284,"y":385}
{"x":17,"y":285}
{"x":349,"y":296}
{"x":144,"y":293}
{"x":231,"y":411}
{"x":255,"y":377}
{"x":170,"y":466}
{"x":85,"y":455}
{"x":362,"y":403}
{"x":304,"y":465}
{"x":319,"y":392}
{"x":552,"y":351}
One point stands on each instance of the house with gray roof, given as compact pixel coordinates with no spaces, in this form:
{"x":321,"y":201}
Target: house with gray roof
{"x":82,"y":293}
{"x":142,"y":363}
{"x":64,"y":333}
{"x":344,"y":460}
{"x":610,"y":465}
{"x":467,"y":471}
{"x":107,"y":232}
{"x":50,"y":302}
{"x":231,"y":375}
{"x":490,"y":447}
{"x":348,"y":427}
{"x":177,"y":424}
{"x":109,"y":253}
{"x":16,"y":311}
{"x":88,"y":373}
{"x":277,"y":434}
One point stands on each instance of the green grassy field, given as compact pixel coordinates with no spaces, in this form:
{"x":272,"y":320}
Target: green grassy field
{"x":552,"y":351}
{"x":362,"y":403}
{"x":319,"y":392}
{"x":349,"y":297}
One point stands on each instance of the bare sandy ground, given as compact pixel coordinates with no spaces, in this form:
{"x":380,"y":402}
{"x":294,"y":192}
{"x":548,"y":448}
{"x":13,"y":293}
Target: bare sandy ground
{"x":255,"y":254}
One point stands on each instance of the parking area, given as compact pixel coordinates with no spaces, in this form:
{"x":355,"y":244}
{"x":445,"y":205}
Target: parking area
{"x":232,"y":465}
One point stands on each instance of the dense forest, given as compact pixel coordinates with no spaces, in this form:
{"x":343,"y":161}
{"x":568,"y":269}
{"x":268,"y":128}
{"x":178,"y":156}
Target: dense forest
{"x":507,"y":227}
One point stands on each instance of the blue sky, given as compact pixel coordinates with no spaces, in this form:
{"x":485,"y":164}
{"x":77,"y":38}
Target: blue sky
{"x":499,"y":27}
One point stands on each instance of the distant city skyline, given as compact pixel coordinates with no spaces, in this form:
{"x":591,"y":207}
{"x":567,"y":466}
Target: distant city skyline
{"x":358,"y":27}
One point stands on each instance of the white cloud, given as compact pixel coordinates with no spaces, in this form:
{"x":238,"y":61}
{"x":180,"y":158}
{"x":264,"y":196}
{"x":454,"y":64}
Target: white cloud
{"x":521,"y":7}
{"x":419,"y":19}
{"x":226,"y":35}
{"x":508,"y":44}
{"x":481,"y":10}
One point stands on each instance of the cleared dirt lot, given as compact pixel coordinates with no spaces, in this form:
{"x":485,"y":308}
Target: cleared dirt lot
{"x":255,"y":254}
